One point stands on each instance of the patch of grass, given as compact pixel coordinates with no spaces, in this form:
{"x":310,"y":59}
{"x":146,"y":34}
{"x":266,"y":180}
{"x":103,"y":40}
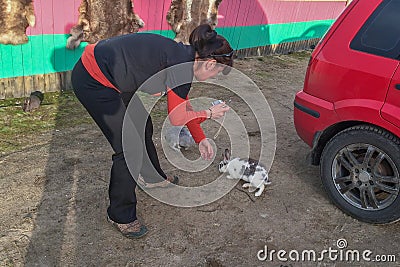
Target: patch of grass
{"x":58,"y":111}
{"x":301,"y":55}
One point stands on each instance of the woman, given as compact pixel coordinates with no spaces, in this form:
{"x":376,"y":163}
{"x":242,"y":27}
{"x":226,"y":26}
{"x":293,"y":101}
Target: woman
{"x":105,"y":80}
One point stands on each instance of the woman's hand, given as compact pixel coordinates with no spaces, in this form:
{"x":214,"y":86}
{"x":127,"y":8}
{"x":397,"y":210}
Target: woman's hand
{"x":206,"y":149}
{"x":217,"y":111}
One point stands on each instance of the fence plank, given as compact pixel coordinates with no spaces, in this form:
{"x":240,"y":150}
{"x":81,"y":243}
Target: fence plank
{"x":2,"y":89}
{"x":19,"y":89}
{"x":10,"y":84}
{"x":28,"y":81}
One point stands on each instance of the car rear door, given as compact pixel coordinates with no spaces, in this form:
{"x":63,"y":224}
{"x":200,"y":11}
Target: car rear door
{"x":391,"y":109}
{"x":349,"y":71}
{"x":379,"y":37}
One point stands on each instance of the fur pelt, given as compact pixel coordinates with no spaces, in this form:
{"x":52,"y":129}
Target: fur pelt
{"x":15,"y":17}
{"x":101,"y":19}
{"x":185,"y":15}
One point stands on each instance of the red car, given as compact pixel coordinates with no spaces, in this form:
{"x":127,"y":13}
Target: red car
{"x":349,"y":110}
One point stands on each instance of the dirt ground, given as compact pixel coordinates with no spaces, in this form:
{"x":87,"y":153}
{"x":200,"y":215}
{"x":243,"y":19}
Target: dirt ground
{"x":54,"y":195}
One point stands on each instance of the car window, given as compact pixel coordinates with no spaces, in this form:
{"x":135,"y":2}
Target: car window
{"x":380,"y":35}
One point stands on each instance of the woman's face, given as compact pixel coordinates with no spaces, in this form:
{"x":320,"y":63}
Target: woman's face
{"x":204,"y":70}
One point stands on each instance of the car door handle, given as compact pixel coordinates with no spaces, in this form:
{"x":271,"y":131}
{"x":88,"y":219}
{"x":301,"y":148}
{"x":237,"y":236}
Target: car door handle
{"x":397,"y":86}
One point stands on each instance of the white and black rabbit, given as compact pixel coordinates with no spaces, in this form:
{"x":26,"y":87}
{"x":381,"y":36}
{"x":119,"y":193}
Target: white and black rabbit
{"x":249,"y":170}
{"x":178,"y":136}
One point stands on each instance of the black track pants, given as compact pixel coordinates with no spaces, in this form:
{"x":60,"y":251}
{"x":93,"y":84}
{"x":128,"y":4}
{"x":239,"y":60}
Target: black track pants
{"x":107,"y":107}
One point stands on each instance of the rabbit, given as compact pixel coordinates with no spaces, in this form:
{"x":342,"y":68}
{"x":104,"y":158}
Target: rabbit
{"x":249,"y":170}
{"x":177,"y":137}
{"x":33,"y":101}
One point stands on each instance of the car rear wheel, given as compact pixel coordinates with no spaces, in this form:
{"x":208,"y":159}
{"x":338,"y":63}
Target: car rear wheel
{"x":360,"y":170}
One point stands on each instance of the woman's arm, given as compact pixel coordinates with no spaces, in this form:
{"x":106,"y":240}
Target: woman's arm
{"x":181,"y":113}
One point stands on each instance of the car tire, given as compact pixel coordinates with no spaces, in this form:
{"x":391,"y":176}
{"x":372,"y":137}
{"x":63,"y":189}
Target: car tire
{"x":360,"y":169}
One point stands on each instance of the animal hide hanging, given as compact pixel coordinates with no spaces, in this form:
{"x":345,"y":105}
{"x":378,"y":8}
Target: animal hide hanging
{"x":185,"y":15}
{"x":101,"y":19}
{"x":15,"y":17}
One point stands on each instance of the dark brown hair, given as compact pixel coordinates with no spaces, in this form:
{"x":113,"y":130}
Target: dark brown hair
{"x":208,"y":44}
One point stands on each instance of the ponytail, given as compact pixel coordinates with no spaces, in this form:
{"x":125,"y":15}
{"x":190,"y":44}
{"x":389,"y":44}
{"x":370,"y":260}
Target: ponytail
{"x":204,"y":40}
{"x":207,"y":43}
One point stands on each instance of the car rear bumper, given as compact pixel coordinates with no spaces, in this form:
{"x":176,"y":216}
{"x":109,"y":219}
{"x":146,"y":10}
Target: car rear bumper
{"x":312,"y":116}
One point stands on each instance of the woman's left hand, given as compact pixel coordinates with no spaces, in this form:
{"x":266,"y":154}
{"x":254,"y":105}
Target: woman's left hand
{"x":217,"y":111}
{"x":206,"y":149}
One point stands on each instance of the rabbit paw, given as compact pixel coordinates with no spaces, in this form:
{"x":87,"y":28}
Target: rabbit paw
{"x":252,"y":189}
{"x":260,"y":190}
{"x":246,"y":185}
{"x":258,"y":193}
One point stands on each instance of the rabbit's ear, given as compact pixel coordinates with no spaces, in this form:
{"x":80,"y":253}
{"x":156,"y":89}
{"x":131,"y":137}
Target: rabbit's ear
{"x":25,"y":105}
{"x":227,"y":155}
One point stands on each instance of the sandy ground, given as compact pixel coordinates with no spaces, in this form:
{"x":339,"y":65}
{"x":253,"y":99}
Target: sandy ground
{"x":53,"y":198}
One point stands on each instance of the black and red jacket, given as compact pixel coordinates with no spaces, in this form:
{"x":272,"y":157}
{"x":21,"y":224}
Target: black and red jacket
{"x":126,"y":62}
